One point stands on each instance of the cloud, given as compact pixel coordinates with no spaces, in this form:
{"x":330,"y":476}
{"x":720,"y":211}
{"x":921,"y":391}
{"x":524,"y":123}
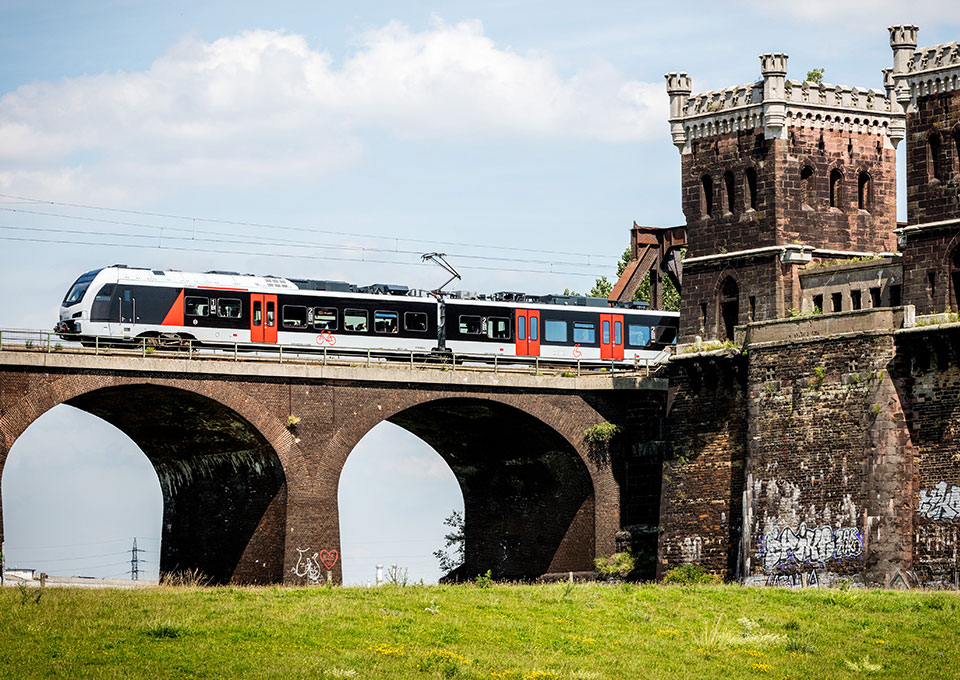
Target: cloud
{"x":263,"y":106}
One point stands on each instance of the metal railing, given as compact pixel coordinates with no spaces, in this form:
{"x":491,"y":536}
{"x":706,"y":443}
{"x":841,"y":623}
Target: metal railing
{"x":27,"y":340}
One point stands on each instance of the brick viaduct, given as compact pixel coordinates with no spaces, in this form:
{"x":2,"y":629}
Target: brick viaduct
{"x":243,"y":490}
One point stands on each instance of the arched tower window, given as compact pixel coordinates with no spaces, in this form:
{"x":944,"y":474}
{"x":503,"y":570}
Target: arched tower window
{"x":863,"y":191}
{"x":750,"y":195}
{"x":836,"y":188}
{"x":934,"y":157}
{"x":729,"y":308}
{"x":955,"y":278}
{"x":730,"y":191}
{"x":806,"y":187}
{"x":956,"y":150}
{"x":706,"y":196}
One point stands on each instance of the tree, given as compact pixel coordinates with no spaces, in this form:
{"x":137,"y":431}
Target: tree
{"x":815,"y":75}
{"x":455,"y":540}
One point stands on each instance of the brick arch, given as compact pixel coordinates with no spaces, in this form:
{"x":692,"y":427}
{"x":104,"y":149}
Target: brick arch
{"x":590,"y":512}
{"x":222,"y":478}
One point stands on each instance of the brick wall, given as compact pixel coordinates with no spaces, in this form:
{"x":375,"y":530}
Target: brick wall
{"x":929,"y":199}
{"x":932,"y":381}
{"x":703,"y":476}
{"x":828,"y":463}
{"x":781,"y":215}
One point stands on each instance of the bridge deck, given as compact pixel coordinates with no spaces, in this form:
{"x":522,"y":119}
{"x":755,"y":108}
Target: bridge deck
{"x":340,"y":368}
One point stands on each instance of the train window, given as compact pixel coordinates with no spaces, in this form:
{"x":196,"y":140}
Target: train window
{"x":498,"y":328}
{"x":257,"y":313}
{"x":666,"y":334}
{"x":229,"y":308}
{"x":470,"y":325}
{"x":637,"y":335}
{"x":195,"y":306}
{"x":554,"y":331}
{"x":617,"y":333}
{"x":606,"y":333}
{"x":271,"y":314}
{"x":355,"y":320}
{"x":521,"y":328}
{"x":415,"y":321}
{"x":325,"y":318}
{"x":294,"y":316}
{"x":386,"y":322}
{"x":584,"y":332}
{"x":534,"y":325}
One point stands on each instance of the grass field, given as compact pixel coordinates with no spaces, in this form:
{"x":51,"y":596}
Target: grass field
{"x":513,"y":632}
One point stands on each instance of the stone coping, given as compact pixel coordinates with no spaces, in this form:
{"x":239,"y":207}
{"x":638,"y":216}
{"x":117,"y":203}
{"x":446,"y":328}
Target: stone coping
{"x":817,"y":327}
{"x":847,"y":266}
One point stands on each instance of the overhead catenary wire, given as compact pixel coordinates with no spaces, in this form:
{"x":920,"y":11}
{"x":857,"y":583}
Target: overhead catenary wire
{"x":262,"y":225}
{"x":257,"y":240}
{"x":279,"y":255}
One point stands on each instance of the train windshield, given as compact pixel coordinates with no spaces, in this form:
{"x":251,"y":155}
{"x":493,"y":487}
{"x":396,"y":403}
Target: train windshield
{"x":76,"y":291}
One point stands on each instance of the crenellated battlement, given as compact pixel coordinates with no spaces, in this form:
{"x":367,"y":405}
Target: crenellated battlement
{"x":922,"y":72}
{"x":775,"y":103}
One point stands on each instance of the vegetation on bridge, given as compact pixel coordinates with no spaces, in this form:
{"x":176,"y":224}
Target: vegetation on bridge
{"x":511,"y":632}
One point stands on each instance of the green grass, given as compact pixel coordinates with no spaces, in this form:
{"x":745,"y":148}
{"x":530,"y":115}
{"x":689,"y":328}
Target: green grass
{"x":503,"y":631}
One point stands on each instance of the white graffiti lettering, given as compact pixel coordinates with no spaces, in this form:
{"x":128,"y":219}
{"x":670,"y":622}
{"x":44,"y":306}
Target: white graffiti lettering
{"x":310,"y":568}
{"x":808,"y":546}
{"x":940,"y":502}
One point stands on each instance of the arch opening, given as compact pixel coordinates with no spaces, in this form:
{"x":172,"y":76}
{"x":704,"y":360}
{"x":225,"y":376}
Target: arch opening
{"x":222,"y":485}
{"x":527,"y":495}
{"x":76,"y":492}
{"x":729,"y":302}
{"x":394,"y":494}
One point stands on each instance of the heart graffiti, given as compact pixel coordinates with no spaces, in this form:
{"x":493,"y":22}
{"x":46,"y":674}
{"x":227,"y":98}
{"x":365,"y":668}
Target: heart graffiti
{"x":329,"y":558}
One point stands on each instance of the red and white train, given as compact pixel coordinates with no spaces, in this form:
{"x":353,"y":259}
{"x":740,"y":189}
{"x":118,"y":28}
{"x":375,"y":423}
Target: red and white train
{"x":120,"y":303}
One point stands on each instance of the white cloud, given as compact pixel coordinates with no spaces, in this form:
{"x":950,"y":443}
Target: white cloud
{"x":263,"y":105}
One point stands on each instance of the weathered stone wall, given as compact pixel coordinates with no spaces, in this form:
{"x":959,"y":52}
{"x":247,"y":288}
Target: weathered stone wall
{"x":758,"y":276}
{"x":931,"y":369}
{"x":928,"y":255}
{"x":933,"y":184}
{"x":828,"y":465}
{"x":703,"y":475}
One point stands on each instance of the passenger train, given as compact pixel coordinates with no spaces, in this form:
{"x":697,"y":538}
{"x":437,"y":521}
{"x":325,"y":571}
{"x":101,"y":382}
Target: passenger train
{"x":125,"y":304}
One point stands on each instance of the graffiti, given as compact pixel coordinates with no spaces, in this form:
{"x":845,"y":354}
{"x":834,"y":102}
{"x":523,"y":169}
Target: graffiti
{"x":329,"y":558}
{"x":940,"y":502}
{"x":808,"y":546}
{"x":309,"y":568}
{"x":807,"y":580}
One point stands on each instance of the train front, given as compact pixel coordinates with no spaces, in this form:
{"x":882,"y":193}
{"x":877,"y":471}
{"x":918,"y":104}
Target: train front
{"x":75,"y":308}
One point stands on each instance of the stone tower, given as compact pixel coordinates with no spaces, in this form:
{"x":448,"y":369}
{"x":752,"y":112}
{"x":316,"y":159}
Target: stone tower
{"x":776,"y":173}
{"x":927,"y":86}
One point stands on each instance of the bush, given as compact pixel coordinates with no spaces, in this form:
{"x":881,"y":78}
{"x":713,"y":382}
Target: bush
{"x":690,"y":574}
{"x":484,"y":580}
{"x":618,"y":564}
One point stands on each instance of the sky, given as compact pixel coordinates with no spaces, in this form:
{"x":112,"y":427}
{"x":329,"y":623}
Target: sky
{"x":340,"y":141}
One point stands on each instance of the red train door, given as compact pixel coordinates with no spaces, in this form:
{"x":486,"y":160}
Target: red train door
{"x":611,"y":336}
{"x":263,"y":317}
{"x":528,"y":332}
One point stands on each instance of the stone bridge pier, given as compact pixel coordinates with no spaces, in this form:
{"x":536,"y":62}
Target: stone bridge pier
{"x":249,"y":455}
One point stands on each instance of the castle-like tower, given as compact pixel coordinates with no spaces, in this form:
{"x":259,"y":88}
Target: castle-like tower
{"x":776,"y":173}
{"x":927,"y":86}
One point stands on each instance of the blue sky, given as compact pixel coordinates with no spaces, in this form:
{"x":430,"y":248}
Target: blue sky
{"x":530,"y":132}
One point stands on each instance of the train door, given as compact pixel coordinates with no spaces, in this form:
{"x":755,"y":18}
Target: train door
{"x":122,"y":312}
{"x":263,"y":317}
{"x":528,"y":332}
{"x":611,"y":336}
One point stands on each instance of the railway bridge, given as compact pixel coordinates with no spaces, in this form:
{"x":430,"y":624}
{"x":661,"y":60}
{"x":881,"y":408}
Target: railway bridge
{"x":249,"y":452}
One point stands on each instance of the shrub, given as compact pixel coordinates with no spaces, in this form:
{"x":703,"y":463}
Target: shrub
{"x":618,"y":564}
{"x":689,"y":574}
{"x":292,"y":421}
{"x":484,"y":580}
